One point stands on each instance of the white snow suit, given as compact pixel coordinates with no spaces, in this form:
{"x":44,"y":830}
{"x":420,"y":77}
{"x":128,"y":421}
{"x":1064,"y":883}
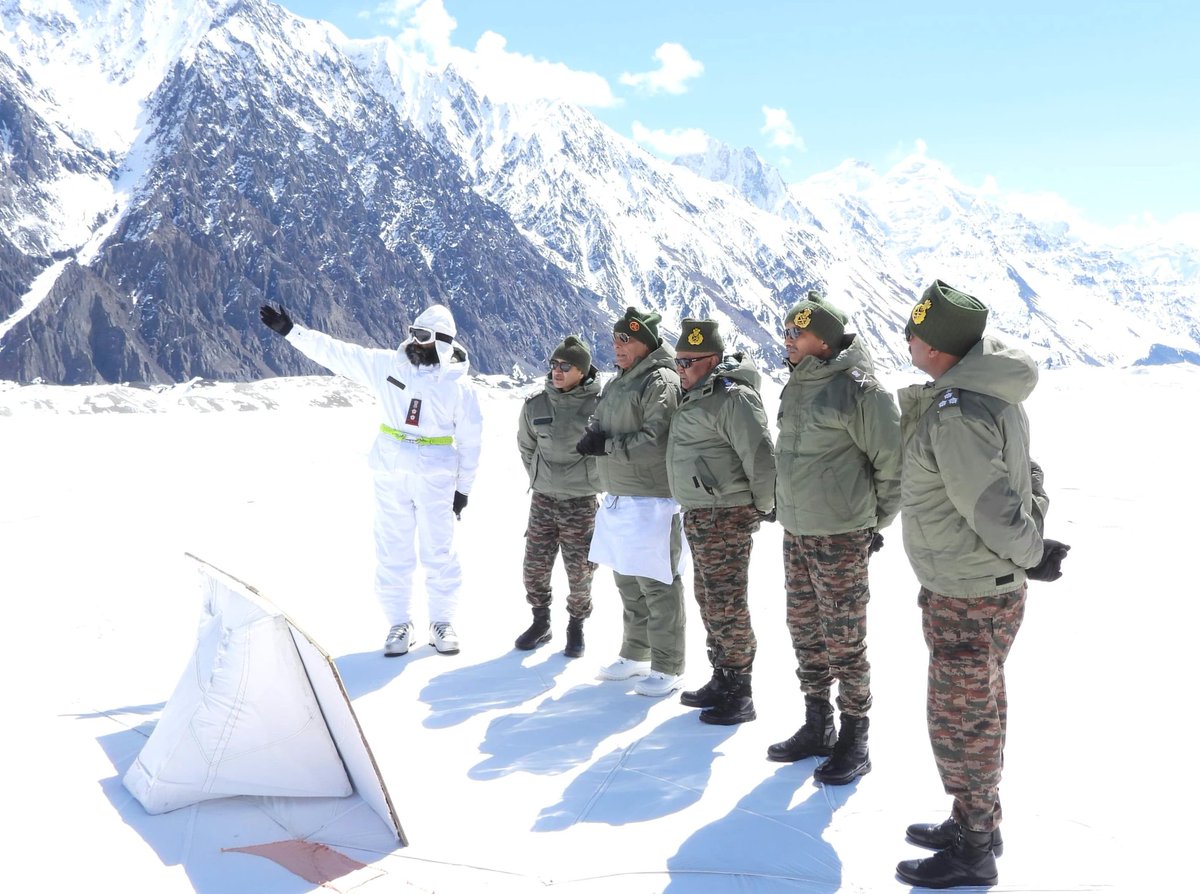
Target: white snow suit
{"x":427,"y":448}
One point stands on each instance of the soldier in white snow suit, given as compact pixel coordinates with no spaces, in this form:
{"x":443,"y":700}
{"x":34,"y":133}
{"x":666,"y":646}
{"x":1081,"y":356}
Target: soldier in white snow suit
{"x":424,"y":460}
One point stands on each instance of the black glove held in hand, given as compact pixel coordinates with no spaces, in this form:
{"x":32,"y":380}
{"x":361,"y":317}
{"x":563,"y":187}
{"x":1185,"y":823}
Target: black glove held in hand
{"x":460,"y":503}
{"x":1050,"y":568}
{"x":592,"y":443}
{"x":876,"y":544}
{"x":276,"y":319}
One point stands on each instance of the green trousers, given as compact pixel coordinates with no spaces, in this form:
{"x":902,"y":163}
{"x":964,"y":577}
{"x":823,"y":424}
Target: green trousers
{"x":653,"y":615}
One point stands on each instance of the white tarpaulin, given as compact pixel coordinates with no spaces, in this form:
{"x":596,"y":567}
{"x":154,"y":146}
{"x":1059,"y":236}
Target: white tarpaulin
{"x":260,"y":711}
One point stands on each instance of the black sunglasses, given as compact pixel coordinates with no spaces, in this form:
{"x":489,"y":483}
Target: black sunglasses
{"x":686,"y":362}
{"x":792,"y":332}
{"x":623,"y":337}
{"x":563,"y":366}
{"x":421,"y":336}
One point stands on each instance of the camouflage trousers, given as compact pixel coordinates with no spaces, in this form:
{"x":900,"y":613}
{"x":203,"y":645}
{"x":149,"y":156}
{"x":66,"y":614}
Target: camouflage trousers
{"x":554,"y":525}
{"x":825,"y":579}
{"x":720,"y":541}
{"x":966,"y":703}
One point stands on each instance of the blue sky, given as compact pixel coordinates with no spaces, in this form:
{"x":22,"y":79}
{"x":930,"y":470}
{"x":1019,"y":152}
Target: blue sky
{"x":1094,"y":103}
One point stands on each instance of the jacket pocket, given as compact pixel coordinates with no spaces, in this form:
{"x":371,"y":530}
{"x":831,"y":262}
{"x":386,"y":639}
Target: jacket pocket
{"x":703,"y":479}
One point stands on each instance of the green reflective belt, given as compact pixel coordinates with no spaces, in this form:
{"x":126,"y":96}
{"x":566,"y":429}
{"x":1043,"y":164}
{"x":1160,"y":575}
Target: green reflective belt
{"x":402,"y":436}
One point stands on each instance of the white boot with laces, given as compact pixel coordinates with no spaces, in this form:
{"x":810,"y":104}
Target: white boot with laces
{"x":399,"y":639}
{"x":443,"y":638}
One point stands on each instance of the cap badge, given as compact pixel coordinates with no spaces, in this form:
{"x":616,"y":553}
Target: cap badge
{"x":695,"y":337}
{"x":918,"y":314}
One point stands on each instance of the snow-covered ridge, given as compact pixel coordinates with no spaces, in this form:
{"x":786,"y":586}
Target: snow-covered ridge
{"x":205,"y":396}
{"x":293,"y":109}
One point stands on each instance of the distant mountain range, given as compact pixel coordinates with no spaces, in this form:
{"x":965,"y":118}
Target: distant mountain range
{"x":167,"y":166}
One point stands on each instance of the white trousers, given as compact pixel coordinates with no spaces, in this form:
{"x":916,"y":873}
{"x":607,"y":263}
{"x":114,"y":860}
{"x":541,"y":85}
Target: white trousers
{"x":414,"y":515}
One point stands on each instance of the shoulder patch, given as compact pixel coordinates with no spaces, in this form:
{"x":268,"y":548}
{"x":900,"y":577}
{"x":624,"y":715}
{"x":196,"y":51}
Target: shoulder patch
{"x":950,"y":403}
{"x":862,"y":377}
{"x":729,"y":383}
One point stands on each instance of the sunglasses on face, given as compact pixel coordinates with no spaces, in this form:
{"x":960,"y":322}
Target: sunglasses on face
{"x":562,"y":366}
{"x":623,"y":337}
{"x":421,"y":336}
{"x":686,"y":362}
{"x":792,"y":332}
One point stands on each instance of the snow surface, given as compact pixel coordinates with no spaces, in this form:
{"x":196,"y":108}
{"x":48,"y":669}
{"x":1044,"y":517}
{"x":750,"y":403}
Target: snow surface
{"x":520,"y":772}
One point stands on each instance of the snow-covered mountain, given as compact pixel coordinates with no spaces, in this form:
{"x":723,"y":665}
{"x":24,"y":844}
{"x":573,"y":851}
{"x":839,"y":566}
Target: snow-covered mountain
{"x":633,"y":228}
{"x":1071,"y":301}
{"x":167,"y":166}
{"x":261,"y":168}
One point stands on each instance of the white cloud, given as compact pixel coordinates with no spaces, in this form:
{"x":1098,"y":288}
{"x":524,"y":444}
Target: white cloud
{"x":394,"y":13}
{"x":676,"y":67}
{"x":1053,"y":212}
{"x":512,"y":77}
{"x":426,"y":28}
{"x":681,"y":141}
{"x":779,"y":129}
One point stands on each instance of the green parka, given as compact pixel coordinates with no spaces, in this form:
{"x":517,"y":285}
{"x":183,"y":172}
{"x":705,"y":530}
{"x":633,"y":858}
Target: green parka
{"x":719,"y":452}
{"x":967,"y":503}
{"x":635,"y":411}
{"x":838,"y":450}
{"x":551,"y":424}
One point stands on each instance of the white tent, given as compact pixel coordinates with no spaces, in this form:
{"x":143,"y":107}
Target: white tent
{"x":260,"y":711}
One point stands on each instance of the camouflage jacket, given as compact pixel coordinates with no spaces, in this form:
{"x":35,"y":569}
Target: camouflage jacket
{"x":971,"y":527}
{"x":551,"y":424}
{"x":719,"y":452}
{"x":635,"y":412}
{"x":838,"y":450}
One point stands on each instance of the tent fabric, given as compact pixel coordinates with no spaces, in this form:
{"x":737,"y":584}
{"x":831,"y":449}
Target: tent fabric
{"x":243,"y":719}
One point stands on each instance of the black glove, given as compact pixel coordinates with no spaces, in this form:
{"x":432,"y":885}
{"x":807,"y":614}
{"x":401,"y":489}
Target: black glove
{"x":767,"y":517}
{"x":876,"y":544}
{"x":460,"y":503}
{"x":276,"y":319}
{"x":1050,"y":568}
{"x":592,"y":443}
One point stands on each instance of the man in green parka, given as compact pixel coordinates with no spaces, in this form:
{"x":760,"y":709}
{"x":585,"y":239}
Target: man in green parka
{"x":638,"y":528}
{"x":972,"y":508}
{"x":721,"y":468}
{"x":562,"y":510}
{"x":838,"y":456}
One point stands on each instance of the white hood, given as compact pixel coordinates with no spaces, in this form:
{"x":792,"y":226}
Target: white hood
{"x":452,"y":354}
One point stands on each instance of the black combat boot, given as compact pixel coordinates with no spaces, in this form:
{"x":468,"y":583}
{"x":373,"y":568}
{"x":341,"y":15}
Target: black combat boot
{"x":814,"y":739}
{"x":708,"y":695}
{"x":538,"y":632}
{"x":850,"y":758}
{"x":938,"y":836}
{"x":736,"y":704}
{"x":574,"y":638}
{"x":968,"y":861}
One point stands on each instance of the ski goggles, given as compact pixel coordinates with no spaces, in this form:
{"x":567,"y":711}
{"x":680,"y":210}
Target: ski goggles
{"x":563,"y":366}
{"x":686,"y":362}
{"x":420,"y":336}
